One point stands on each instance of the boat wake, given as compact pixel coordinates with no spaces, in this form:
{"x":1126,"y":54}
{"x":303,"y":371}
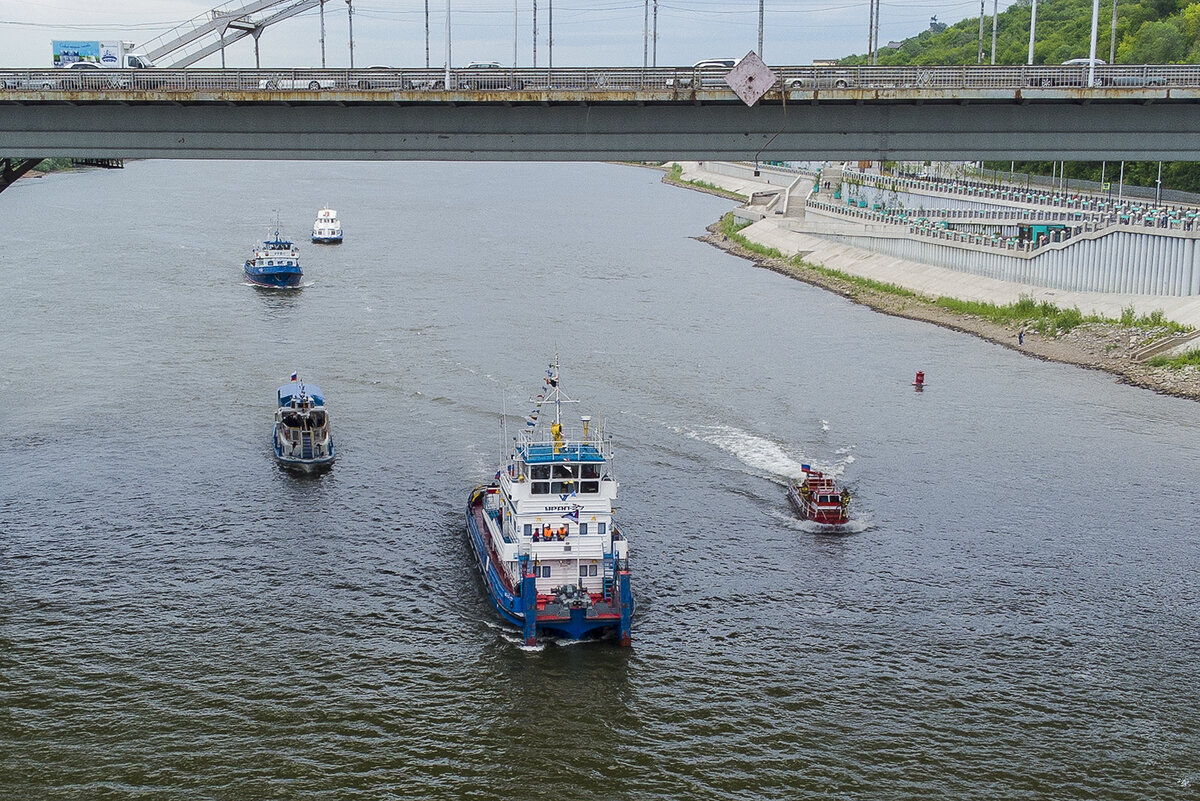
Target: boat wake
{"x":301,"y":285}
{"x":860,"y":523}
{"x":768,"y":458}
{"x":512,"y":637}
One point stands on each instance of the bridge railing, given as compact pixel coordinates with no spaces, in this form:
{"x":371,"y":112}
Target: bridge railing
{"x":674,"y":81}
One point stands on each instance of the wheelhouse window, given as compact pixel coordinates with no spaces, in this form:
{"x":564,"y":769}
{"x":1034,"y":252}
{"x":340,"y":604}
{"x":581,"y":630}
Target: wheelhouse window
{"x":528,"y":530}
{"x":590,"y":478}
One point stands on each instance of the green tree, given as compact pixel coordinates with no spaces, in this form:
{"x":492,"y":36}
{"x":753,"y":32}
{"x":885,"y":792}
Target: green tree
{"x":1161,"y":42}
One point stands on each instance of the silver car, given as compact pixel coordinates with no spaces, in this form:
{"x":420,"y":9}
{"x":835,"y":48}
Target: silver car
{"x":822,"y":80}
{"x":707,"y":74}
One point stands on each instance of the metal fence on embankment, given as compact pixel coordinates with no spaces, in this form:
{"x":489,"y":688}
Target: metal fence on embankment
{"x":1122,"y":260}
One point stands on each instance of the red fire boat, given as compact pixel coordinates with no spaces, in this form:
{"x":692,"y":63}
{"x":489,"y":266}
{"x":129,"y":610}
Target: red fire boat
{"x":818,"y":499}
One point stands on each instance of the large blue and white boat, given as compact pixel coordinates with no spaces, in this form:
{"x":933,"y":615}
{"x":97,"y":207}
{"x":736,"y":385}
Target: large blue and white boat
{"x":301,"y":437}
{"x":276,"y":264}
{"x":552,"y":559}
{"x":327,"y":228}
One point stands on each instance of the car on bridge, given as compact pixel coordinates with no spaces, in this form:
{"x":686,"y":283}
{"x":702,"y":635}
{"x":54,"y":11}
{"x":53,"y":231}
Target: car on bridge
{"x":821,"y":80}
{"x":294,"y":82}
{"x":487,"y":76}
{"x":90,"y":75}
{"x":379,"y":76}
{"x":43,"y":82}
{"x":707,"y":74}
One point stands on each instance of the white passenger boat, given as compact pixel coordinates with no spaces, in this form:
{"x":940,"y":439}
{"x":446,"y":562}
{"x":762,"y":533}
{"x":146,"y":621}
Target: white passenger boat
{"x":327,"y":228}
{"x":301,"y":437}
{"x":551,"y":557}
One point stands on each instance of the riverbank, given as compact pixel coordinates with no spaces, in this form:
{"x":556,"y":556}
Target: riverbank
{"x":1109,"y":347}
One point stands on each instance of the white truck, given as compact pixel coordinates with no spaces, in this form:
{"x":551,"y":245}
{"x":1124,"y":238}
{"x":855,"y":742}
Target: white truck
{"x":105,"y":55}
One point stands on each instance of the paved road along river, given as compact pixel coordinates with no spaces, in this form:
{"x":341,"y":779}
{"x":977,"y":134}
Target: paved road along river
{"x":1015,"y":619}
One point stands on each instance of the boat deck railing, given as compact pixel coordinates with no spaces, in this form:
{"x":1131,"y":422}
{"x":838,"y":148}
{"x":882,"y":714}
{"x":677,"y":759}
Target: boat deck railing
{"x":568,"y":451}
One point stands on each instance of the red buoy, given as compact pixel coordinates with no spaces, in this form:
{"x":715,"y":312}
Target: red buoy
{"x":919,"y":381}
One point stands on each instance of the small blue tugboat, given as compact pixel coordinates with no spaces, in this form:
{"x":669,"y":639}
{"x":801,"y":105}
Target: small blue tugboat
{"x":551,"y":557}
{"x":301,"y":437}
{"x":276,"y":264}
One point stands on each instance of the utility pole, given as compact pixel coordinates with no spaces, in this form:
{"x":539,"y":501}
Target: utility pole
{"x":446,"y":85}
{"x":1158,"y":186}
{"x":322,"y":35}
{"x":871,"y":31}
{"x":426,"y":34}
{"x":654,"y":38}
{"x":760,"y":25}
{"x":1032,"y":30}
{"x":981,"y":13}
{"x":995,"y":13}
{"x":876,"y":59}
{"x":515,"y":34}
{"x":350,"y":17}
{"x":1112,"y":41}
{"x":550,"y":34}
{"x":645,"y":36}
{"x":1092,"y":54}
{"x":535,"y":34}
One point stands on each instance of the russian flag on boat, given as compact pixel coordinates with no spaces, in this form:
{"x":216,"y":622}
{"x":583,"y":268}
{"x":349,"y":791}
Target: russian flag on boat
{"x":807,"y":468}
{"x":295,"y":376}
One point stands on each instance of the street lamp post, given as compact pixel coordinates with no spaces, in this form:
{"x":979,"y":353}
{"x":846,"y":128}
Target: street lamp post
{"x":654,"y":38}
{"x":995,"y":15}
{"x":322,"y":35}
{"x":981,"y":13}
{"x":1032,"y":30}
{"x":350,"y":16}
{"x":1112,"y":40}
{"x":760,"y":27}
{"x":1092,"y":54}
{"x":646,"y":36}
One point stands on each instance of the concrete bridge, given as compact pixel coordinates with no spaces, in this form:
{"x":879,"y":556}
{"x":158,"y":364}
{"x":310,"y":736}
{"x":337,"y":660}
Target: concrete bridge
{"x":956,"y":113}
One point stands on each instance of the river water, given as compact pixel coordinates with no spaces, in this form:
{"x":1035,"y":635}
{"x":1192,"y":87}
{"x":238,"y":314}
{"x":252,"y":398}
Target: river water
{"x":1015,"y":617}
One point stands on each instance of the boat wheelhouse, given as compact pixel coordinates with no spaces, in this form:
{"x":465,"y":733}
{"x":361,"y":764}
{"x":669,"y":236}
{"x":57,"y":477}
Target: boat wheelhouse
{"x":275,"y":264}
{"x":301,"y":437}
{"x":552,"y":558}
{"x":818,"y":499}
{"x":327,"y":228}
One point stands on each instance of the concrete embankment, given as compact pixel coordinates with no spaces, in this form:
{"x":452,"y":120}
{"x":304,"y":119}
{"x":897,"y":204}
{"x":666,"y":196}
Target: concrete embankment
{"x":1109,"y":347}
{"x":793,"y":235}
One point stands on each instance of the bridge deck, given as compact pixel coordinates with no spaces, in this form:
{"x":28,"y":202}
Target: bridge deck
{"x":1144,"y":112}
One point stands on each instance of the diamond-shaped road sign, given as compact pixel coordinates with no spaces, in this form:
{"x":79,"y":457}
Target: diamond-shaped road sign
{"x":751,"y":79}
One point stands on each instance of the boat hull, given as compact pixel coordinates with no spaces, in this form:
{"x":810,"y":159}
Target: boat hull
{"x":275,"y":278}
{"x":572,"y":624}
{"x":812,"y":512}
{"x":327,"y":240}
{"x":314,"y":465}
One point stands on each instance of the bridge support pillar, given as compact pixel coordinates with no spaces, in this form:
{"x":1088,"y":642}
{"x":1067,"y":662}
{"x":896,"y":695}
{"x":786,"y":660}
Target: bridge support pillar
{"x":12,"y":169}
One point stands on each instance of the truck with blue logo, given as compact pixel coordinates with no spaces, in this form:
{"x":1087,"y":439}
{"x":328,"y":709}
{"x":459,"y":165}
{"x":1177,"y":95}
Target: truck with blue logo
{"x":107,"y":55}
